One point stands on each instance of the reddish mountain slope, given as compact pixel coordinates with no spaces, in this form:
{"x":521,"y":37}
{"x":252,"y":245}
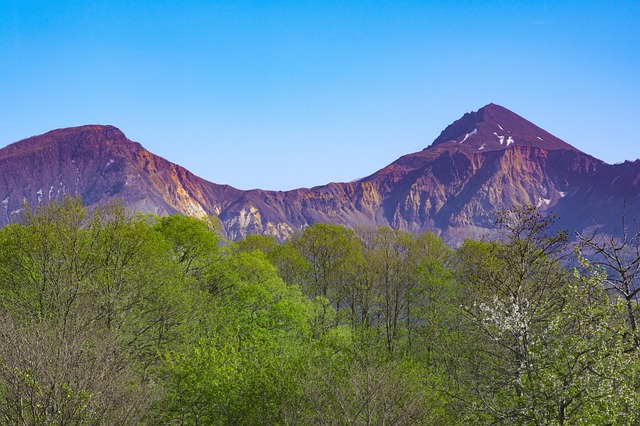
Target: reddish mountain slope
{"x":486,"y":161}
{"x":99,"y":162}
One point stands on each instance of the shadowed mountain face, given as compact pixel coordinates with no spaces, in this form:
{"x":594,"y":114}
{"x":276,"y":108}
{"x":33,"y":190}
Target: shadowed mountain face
{"x":484,"y":162}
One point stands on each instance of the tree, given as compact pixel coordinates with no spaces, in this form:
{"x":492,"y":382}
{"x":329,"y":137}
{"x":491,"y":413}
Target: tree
{"x":333,"y":254}
{"x":620,"y":256}
{"x":196,"y":246}
{"x":87,"y":304}
{"x":291,"y":266}
{"x":543,"y":348}
{"x":351,"y":379}
{"x":244,"y":371}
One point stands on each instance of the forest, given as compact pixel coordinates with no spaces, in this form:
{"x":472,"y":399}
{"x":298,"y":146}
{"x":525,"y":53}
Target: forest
{"x":108,"y":317}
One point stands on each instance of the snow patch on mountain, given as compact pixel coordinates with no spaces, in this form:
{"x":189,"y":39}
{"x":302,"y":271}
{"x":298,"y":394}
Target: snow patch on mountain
{"x":468,"y":135}
{"x":542,"y":201}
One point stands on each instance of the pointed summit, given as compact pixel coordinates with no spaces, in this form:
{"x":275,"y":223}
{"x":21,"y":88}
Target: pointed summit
{"x":494,"y":127}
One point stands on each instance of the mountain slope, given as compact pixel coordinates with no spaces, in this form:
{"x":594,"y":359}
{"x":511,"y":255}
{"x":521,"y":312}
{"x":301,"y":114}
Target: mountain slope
{"x":486,"y":161}
{"x":99,"y":162}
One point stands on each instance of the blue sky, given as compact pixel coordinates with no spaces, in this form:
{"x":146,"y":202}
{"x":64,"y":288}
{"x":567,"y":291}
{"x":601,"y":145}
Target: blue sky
{"x":287,"y":94}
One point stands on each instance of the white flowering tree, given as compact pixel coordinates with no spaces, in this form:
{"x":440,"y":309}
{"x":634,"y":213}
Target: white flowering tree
{"x":544,"y":345}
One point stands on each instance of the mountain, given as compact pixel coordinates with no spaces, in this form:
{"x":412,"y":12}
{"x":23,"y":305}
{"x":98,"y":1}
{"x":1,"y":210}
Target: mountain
{"x":486,"y":161}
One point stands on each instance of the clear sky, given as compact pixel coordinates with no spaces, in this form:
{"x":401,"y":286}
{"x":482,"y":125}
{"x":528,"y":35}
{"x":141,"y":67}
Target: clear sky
{"x":287,"y":94}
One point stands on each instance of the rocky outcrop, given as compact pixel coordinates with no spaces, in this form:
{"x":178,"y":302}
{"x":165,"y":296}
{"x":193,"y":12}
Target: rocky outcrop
{"x":488,"y":160}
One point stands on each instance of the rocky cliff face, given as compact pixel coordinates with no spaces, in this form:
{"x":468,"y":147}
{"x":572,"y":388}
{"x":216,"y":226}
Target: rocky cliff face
{"x":488,"y":160}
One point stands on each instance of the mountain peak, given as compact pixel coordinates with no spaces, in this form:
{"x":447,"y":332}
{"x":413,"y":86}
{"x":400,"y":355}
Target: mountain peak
{"x":87,"y":134}
{"x":494,"y":127}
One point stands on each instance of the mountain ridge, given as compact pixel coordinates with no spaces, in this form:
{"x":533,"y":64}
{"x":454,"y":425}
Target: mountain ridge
{"x":486,"y":161}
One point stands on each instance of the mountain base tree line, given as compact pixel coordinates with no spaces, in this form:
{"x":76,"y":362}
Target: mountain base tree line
{"x":108,"y":317}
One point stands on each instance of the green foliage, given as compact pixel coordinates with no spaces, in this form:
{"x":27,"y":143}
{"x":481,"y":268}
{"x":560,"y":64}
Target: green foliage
{"x":113,"y":318}
{"x":353,"y":380}
{"x":93,"y":299}
{"x":245,"y":372}
{"x":195,"y":246}
{"x":546,"y":345}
